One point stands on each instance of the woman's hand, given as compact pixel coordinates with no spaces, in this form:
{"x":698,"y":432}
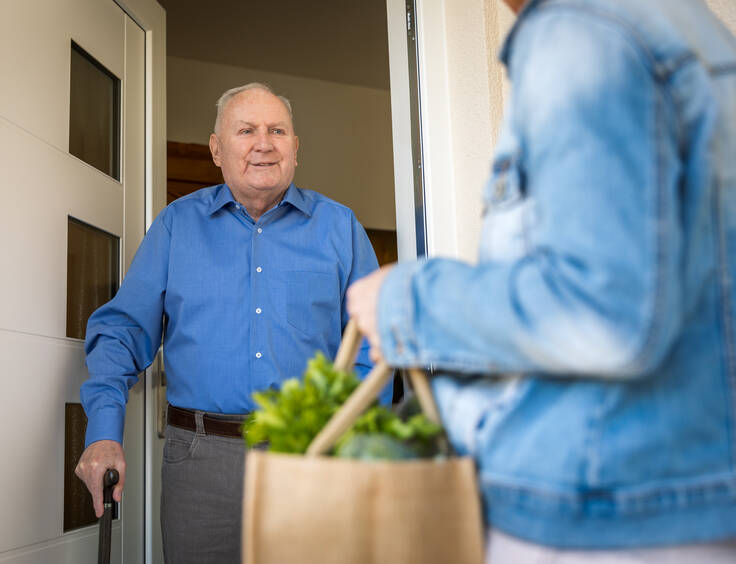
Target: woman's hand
{"x":363,"y":305}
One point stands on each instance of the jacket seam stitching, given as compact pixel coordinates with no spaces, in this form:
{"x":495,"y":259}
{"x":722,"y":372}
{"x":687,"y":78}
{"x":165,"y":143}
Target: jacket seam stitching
{"x":726,"y":68}
{"x":724,"y":285}
{"x":677,"y":106}
{"x":618,"y":494}
{"x":668,"y":71}
{"x":652,"y":326}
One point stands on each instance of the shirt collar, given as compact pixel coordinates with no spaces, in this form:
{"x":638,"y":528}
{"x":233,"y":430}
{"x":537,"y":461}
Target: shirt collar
{"x":223,"y":196}
{"x":506,"y":49}
{"x":292,"y":196}
{"x":296,"y":198}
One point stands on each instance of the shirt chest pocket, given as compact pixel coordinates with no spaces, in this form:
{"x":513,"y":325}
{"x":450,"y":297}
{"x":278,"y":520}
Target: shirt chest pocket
{"x":312,"y":301}
{"x":507,"y":213}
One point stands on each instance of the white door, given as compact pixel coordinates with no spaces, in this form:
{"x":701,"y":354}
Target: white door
{"x":48,"y":197}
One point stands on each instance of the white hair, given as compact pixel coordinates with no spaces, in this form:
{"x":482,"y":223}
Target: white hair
{"x":230,"y":94}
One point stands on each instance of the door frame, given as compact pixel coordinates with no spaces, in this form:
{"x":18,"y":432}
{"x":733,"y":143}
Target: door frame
{"x":459,"y":88}
{"x":151,"y":17}
{"x":409,"y":192}
{"x":420,"y":114}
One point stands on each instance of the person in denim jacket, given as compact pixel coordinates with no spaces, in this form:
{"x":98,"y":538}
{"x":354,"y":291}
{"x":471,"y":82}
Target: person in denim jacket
{"x":588,"y":361}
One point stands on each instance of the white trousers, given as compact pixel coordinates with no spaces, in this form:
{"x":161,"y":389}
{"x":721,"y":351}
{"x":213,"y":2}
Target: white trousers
{"x":505,"y":549}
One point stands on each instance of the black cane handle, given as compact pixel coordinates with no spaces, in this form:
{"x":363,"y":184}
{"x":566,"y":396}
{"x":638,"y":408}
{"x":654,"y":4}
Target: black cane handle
{"x":109,"y":480}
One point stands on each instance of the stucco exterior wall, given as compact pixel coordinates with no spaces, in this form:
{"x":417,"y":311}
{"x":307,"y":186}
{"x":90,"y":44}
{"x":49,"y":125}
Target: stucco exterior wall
{"x":726,"y":10}
{"x":474,"y":114}
{"x":476,"y":86}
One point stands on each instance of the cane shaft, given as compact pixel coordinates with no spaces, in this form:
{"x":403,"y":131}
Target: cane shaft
{"x":109,"y":480}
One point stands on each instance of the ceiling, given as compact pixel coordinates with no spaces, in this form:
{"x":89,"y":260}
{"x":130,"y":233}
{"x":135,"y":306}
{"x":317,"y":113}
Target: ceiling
{"x":337,"y":40}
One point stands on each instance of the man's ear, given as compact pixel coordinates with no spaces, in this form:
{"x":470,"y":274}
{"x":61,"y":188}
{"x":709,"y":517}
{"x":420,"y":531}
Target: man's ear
{"x":296,"y":148}
{"x":215,"y":149}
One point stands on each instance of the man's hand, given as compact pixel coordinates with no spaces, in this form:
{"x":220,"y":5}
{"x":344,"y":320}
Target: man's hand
{"x":96,"y":458}
{"x":362,"y":307}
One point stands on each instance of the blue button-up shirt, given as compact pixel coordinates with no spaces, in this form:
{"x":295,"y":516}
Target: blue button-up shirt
{"x":244,"y":303}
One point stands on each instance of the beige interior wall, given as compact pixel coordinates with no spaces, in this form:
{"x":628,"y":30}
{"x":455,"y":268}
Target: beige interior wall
{"x":345,"y":149}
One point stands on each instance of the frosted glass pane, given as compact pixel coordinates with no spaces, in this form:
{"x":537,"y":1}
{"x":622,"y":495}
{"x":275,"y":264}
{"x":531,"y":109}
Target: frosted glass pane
{"x":92,"y":276}
{"x":78,"y":509}
{"x":94,"y":113}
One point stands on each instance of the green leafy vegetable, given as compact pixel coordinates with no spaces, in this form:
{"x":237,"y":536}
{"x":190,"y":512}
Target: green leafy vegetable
{"x":375,"y":447}
{"x":417,"y":433}
{"x":290,"y":418}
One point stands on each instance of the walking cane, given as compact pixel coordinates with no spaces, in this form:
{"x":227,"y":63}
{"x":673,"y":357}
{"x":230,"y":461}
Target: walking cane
{"x":108,"y":483}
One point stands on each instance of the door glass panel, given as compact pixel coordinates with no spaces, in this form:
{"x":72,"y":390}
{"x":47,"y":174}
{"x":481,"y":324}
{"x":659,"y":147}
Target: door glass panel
{"x":94,"y":113}
{"x":78,"y":509}
{"x":93,"y":270}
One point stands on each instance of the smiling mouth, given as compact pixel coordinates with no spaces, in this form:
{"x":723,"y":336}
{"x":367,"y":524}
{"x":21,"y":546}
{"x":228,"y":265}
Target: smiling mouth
{"x":260,"y":165}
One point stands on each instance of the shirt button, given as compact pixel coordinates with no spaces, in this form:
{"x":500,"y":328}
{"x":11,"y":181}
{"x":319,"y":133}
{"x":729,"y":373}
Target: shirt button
{"x":260,"y":230}
{"x":237,"y":206}
{"x":258,"y":355}
{"x":259,"y":269}
{"x":258,"y":310}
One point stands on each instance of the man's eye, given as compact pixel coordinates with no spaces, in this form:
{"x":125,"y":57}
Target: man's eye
{"x":278,"y":131}
{"x":245,"y":131}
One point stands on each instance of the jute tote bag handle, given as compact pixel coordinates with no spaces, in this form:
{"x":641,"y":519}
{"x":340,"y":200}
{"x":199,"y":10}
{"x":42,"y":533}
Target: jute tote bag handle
{"x":364,"y":394}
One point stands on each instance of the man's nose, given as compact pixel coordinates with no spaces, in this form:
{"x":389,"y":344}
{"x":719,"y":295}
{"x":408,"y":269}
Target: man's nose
{"x":263,"y":141}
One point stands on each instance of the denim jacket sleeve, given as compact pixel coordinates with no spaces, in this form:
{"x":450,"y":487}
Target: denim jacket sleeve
{"x":123,"y":336}
{"x":578,"y":270}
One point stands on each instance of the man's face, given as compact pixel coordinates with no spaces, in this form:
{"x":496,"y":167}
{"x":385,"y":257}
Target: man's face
{"x":256,"y":146}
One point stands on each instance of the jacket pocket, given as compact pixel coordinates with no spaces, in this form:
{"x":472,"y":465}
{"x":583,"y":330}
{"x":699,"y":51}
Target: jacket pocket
{"x":506,"y":211}
{"x":472,"y":409}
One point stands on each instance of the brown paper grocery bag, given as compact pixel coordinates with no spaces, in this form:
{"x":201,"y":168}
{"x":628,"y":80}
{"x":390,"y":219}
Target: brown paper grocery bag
{"x":324,"y":510}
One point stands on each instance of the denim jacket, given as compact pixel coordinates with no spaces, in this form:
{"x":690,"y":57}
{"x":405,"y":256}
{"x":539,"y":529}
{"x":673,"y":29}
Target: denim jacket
{"x":588,"y":361}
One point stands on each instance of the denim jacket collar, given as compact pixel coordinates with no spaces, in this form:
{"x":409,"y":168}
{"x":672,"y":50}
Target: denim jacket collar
{"x":506,"y":48}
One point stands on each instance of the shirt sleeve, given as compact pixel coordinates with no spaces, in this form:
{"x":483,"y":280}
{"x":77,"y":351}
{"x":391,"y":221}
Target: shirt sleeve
{"x":123,"y":336}
{"x":363,"y":263}
{"x":596,"y":291}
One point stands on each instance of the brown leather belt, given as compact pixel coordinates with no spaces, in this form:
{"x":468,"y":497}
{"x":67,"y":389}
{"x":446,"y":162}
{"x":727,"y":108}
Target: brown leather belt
{"x":185,"y":419}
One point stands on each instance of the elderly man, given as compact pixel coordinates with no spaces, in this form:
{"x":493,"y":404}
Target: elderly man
{"x":605,"y":285}
{"x":245,"y":281}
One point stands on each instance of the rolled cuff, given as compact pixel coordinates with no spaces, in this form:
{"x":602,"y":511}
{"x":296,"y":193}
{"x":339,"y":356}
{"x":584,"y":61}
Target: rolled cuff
{"x":396,"y":316}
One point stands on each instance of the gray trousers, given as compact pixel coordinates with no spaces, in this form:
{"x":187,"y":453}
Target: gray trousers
{"x":201,"y":496}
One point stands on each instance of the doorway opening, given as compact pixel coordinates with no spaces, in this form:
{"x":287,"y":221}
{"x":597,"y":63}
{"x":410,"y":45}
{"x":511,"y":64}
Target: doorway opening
{"x":331,"y":60}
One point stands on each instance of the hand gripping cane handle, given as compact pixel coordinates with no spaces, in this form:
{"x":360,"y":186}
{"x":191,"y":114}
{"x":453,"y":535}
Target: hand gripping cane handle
{"x":109,"y":479}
